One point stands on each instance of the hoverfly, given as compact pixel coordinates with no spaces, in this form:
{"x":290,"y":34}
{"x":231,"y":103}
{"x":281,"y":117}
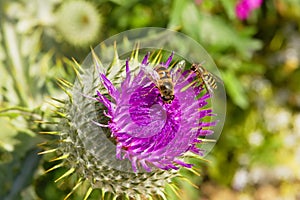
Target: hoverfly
{"x":164,"y":79}
{"x":208,"y":79}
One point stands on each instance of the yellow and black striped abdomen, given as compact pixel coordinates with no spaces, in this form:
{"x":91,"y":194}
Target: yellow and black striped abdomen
{"x":209,"y":80}
{"x":165,"y":84}
{"x":163,"y":72}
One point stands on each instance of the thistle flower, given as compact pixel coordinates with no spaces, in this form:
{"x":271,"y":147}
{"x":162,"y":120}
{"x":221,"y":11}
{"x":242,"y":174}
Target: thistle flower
{"x":245,"y":7}
{"x":147,"y":129}
{"x":119,"y":135}
{"x":78,"y":22}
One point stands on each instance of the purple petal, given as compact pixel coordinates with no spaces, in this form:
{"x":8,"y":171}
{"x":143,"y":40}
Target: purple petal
{"x":105,"y":101}
{"x":145,"y":60}
{"x":109,"y":86}
{"x":128,"y":77}
{"x":167,"y":63}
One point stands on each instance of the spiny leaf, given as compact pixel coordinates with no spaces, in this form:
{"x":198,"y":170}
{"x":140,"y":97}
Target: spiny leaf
{"x":46,"y":152}
{"x":88,"y":193}
{"x":54,"y":167}
{"x":135,"y":52}
{"x":116,"y":60}
{"x":68,"y":173}
{"x":193,"y":171}
{"x":157,"y":58}
{"x":44,"y":122}
{"x":79,"y":182}
{"x":189,"y":182}
{"x":61,"y":114}
{"x":175,"y":189}
{"x":97,"y":62}
{"x":58,"y":100}
{"x":65,"y":90}
{"x":49,"y":132}
{"x":65,"y":83}
{"x":62,"y":157}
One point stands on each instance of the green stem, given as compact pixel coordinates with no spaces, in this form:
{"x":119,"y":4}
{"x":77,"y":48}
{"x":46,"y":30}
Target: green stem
{"x":16,"y":108}
{"x":24,"y":111}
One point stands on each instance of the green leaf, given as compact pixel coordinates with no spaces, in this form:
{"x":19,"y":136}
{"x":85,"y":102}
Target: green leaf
{"x":17,"y":160}
{"x":191,"y":21}
{"x":175,"y":16}
{"x":246,"y":46}
{"x":8,"y":134}
{"x":235,"y":89}
{"x":229,"y":6}
{"x":217,"y":34}
{"x":24,"y":177}
{"x":232,"y":62}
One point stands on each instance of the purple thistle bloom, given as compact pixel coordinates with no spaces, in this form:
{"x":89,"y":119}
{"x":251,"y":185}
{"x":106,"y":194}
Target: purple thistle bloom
{"x":148,"y":131}
{"x":245,"y":7}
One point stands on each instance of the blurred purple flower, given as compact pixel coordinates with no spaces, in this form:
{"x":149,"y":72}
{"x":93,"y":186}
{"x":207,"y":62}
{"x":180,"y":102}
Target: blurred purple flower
{"x":148,"y":131}
{"x":198,"y":2}
{"x":245,"y":7}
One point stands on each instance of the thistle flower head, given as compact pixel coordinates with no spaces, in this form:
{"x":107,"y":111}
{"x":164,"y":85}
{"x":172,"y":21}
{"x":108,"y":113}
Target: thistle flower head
{"x":147,"y":130}
{"x":117,"y":131}
{"x":78,"y":22}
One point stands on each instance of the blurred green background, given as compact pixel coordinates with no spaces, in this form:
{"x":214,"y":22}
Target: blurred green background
{"x":258,"y":153}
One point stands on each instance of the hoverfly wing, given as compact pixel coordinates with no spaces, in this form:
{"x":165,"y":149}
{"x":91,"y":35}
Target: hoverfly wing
{"x":174,"y":71}
{"x":150,"y":73}
{"x":216,"y":78}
